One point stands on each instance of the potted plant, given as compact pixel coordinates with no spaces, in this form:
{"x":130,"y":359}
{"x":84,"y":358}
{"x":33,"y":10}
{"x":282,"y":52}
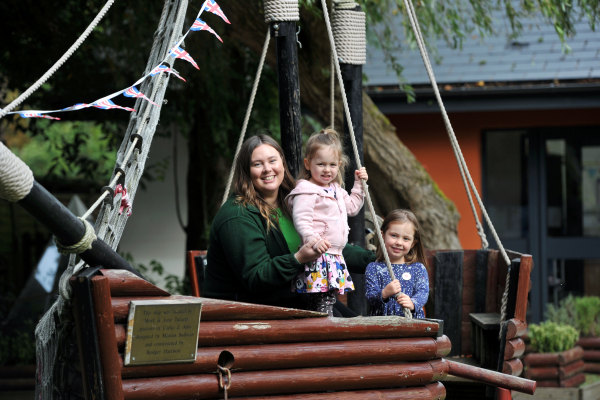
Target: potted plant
{"x":583,"y":313}
{"x":555,"y":361}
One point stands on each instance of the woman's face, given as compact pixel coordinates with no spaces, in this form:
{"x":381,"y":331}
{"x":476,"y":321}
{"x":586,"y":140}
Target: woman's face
{"x":266,"y":172}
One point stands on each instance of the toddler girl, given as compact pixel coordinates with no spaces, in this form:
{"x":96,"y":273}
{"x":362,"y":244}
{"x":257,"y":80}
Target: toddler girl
{"x":402,"y":240}
{"x":320,"y":209}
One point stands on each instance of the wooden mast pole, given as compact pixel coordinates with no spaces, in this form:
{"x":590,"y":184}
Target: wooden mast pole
{"x":348,"y":25}
{"x":289,"y":92}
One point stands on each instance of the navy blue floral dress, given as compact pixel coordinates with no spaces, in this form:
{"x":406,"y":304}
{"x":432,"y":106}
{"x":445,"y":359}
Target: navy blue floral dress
{"x":413,"y":280}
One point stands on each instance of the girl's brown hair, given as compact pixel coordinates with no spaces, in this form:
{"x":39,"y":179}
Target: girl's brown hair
{"x":326,"y":137}
{"x":246,"y":194}
{"x":417,"y":253}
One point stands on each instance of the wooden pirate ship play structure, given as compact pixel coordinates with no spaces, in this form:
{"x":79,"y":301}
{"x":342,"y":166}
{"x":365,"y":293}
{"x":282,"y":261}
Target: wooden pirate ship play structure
{"x":477,"y":304}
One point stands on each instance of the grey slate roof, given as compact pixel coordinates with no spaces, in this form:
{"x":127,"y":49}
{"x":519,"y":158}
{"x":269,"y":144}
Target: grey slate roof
{"x":536,"y":55}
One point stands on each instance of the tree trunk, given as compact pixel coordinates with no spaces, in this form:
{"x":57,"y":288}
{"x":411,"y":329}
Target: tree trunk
{"x":396,"y":179}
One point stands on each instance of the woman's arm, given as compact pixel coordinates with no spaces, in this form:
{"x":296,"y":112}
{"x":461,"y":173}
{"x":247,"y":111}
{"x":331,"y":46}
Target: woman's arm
{"x":357,"y":258}
{"x":246,"y":249}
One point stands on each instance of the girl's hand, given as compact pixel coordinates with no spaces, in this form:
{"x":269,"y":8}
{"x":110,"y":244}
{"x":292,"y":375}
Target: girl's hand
{"x":405,"y":301}
{"x":308,"y":253}
{"x":321,"y":246}
{"x":361,"y":174}
{"x":391,"y":289}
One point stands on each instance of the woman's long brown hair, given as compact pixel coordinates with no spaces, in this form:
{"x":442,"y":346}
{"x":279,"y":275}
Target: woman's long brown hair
{"x":246,"y":194}
{"x":417,"y":253}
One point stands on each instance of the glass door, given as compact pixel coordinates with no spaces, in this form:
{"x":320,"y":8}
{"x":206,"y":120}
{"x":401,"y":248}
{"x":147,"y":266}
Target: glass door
{"x":542,"y":191}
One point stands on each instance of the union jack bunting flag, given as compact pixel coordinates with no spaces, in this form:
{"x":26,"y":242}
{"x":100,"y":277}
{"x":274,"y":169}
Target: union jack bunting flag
{"x":77,"y":106}
{"x":108,"y":104}
{"x":164,"y":68}
{"x":200,"y":25}
{"x":134,"y":92}
{"x":213,"y":7}
{"x":178,"y":52}
{"x":26,"y":114}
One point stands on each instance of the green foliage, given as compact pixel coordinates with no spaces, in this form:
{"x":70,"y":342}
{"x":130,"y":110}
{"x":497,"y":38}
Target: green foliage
{"x":582,"y":313}
{"x":550,"y":337}
{"x":79,"y":150}
{"x":17,"y":347}
{"x":588,"y":315}
{"x":154,"y":271}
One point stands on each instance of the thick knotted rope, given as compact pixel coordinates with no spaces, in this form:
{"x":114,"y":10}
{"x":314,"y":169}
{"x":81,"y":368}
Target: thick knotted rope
{"x":281,"y":10}
{"x":85,"y":243}
{"x":348,"y":27}
{"x":16,"y":179}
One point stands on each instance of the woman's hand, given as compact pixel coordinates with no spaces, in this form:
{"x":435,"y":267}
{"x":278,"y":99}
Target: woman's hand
{"x":391,"y":289}
{"x":405,"y":301}
{"x":361,"y":174}
{"x":309,"y":252}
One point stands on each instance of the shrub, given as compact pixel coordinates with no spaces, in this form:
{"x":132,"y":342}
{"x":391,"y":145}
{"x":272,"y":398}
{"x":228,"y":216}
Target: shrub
{"x":582,"y":313}
{"x":550,"y":337}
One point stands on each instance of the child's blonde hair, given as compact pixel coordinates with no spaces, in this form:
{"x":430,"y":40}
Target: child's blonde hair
{"x":326,"y":137}
{"x":417,"y":253}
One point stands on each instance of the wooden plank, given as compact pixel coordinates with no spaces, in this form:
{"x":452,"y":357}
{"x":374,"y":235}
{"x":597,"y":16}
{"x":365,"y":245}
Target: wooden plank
{"x":592,"y":342}
{"x":448,"y":295}
{"x":523,"y":287}
{"x":562,"y":358}
{"x":481,"y":275}
{"x":513,"y":367}
{"x":591,"y":391}
{"x":514,"y":348}
{"x":257,"y":357}
{"x":491,"y":304}
{"x":432,"y":391}
{"x":221,"y":310}
{"x":549,"y":394}
{"x":515,"y":328}
{"x":125,"y":283}
{"x":105,"y":329}
{"x":87,"y":339}
{"x":591,"y":355}
{"x":217,"y":333}
{"x":286,"y":381}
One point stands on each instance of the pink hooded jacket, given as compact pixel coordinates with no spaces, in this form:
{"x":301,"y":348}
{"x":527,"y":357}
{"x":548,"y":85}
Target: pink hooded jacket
{"x":318,"y":214}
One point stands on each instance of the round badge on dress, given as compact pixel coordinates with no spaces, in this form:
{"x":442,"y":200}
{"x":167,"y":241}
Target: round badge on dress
{"x":406,"y":276}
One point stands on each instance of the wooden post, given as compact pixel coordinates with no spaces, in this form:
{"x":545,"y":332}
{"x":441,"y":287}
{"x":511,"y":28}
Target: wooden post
{"x":352,"y":77}
{"x":350,"y":21}
{"x":289,"y":92}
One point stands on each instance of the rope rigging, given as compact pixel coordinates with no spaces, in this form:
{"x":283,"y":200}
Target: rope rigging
{"x":369,"y":202}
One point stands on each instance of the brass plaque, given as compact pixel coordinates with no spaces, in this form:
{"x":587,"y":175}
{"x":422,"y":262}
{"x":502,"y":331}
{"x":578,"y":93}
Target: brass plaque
{"x":162,"y":331}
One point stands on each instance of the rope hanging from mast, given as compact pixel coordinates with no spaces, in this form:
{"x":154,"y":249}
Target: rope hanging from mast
{"x":369,"y":202}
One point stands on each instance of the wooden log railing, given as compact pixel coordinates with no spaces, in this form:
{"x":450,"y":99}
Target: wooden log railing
{"x":276,"y":352}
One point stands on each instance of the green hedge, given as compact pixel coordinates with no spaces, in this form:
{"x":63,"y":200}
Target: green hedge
{"x":550,"y":337}
{"x":582,"y":313}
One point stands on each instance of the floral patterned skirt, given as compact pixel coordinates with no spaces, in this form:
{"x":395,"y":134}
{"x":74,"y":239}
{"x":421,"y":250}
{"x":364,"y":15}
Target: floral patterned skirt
{"x":324,"y":274}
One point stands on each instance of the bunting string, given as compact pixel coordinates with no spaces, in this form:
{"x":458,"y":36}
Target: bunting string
{"x":106,"y":102}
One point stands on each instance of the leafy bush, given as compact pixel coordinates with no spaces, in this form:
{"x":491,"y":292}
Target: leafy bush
{"x":550,"y":337}
{"x":588,"y":315}
{"x":582,"y":313}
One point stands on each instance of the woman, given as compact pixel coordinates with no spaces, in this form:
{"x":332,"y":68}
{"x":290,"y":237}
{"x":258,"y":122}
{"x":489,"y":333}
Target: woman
{"x":253,"y":253}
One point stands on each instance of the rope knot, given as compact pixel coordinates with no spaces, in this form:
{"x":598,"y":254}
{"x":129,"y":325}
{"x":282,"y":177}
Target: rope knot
{"x":85,"y":243}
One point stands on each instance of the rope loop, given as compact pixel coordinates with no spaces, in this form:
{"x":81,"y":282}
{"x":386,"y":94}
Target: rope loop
{"x":85,"y":243}
{"x":16,"y":178}
{"x":281,"y":10}
{"x":348,"y":26}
